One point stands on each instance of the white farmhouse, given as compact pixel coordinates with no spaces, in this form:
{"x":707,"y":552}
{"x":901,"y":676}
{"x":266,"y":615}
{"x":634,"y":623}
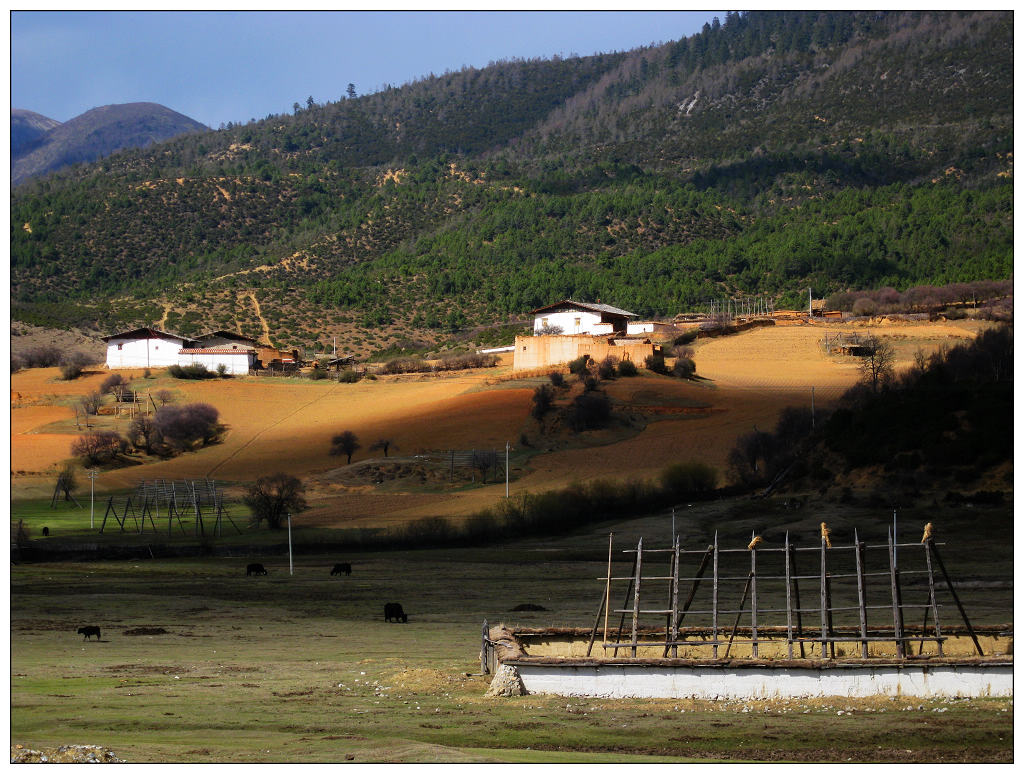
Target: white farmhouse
{"x":571,"y":318}
{"x":143,"y":348}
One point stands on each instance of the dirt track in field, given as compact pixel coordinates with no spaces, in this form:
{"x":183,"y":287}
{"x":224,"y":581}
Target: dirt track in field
{"x":287,"y":425}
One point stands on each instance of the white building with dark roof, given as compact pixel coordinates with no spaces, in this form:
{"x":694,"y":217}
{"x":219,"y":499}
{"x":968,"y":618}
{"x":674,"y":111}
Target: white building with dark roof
{"x":143,"y":348}
{"x":572,"y":318}
{"x":153,"y":348}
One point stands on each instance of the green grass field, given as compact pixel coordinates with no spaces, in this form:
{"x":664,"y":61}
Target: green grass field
{"x":303,"y":667}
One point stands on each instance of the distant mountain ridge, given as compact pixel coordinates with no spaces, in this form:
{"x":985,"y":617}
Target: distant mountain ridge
{"x":27,"y":130}
{"x":40,"y":145}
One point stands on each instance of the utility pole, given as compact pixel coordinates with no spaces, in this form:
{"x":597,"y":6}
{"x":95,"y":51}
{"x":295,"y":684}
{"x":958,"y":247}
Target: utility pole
{"x":810,"y":311}
{"x":92,"y":496}
{"x":290,"y":544}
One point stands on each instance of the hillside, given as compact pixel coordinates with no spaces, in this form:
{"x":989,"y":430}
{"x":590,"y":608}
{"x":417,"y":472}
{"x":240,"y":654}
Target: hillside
{"x":90,"y":136}
{"x":767,"y":154}
{"x":27,"y":130}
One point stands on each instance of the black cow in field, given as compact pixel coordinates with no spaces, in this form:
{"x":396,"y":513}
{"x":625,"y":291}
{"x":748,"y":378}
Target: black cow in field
{"x":255,"y":569}
{"x":393,"y":613}
{"x":342,"y":567}
{"x":89,"y":631}
{"x":46,"y":532}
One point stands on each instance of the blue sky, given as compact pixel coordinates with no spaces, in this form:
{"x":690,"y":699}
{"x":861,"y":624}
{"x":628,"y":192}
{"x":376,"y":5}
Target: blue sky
{"x":225,"y":66}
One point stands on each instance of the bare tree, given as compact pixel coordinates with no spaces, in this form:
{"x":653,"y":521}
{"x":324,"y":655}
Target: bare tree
{"x":66,"y":482}
{"x":878,"y":365}
{"x":98,"y":446}
{"x":484,"y":460}
{"x":275,"y":496}
{"x":91,"y":403}
{"x":383,"y":444}
{"x":144,"y":433}
{"x":346,"y":443}
{"x":164,"y":396}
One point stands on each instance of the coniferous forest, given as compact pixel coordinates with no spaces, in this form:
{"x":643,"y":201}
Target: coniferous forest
{"x":770,"y":153}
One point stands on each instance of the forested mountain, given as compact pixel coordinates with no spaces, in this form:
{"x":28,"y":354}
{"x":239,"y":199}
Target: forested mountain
{"x":90,"y":136}
{"x":766,"y":154}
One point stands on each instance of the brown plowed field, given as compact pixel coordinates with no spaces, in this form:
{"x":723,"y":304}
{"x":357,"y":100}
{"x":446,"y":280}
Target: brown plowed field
{"x":287,"y":425}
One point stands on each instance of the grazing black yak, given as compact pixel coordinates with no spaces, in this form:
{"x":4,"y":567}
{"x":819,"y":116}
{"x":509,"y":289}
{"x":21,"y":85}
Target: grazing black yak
{"x":89,"y":631}
{"x":46,"y":532}
{"x":393,"y":612}
{"x":342,"y":567}
{"x":255,"y":569}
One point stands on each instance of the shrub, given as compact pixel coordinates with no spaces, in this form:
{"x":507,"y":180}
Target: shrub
{"x":580,"y":365}
{"x":655,"y":363}
{"x":17,"y":363}
{"x":686,"y":478}
{"x":557,"y":379}
{"x":45,"y":356}
{"x":864,"y":306}
{"x":317,"y":374}
{"x":627,"y":368}
{"x":194,"y":371}
{"x":589,"y":411}
{"x":684,"y":368}
{"x":606,"y":368}
{"x":348,"y":376}
{"x":112,"y":381}
{"x":543,"y":397}
{"x":73,"y":364}
{"x":182,"y":427}
{"x":685,"y":338}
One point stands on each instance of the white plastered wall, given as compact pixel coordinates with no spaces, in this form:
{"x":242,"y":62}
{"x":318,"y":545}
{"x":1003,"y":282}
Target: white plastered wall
{"x":634,"y":681}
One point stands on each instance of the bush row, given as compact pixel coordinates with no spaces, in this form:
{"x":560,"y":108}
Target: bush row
{"x":407,"y":365}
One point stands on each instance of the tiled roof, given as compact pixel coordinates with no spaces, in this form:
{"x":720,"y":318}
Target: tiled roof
{"x":215,"y":352}
{"x":587,"y":306}
{"x":143,"y":333}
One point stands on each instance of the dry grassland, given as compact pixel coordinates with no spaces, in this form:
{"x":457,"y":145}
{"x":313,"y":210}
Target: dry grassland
{"x":286,"y":425}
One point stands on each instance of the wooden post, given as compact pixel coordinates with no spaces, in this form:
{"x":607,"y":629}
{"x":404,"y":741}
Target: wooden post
{"x":932,"y":601}
{"x":597,"y":622}
{"x":608,"y":587}
{"x":484,"y":644}
{"x":673,"y":632}
{"x":605,"y":599}
{"x":789,"y":602}
{"x":636,"y":593}
{"x":824,"y":600}
{"x":753,"y":600}
{"x":897,"y":608}
{"x":678,"y":618}
{"x":739,"y":613}
{"x":858,"y":549}
{"x":625,"y":601}
{"x":949,"y":584}
{"x":714,"y":602}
